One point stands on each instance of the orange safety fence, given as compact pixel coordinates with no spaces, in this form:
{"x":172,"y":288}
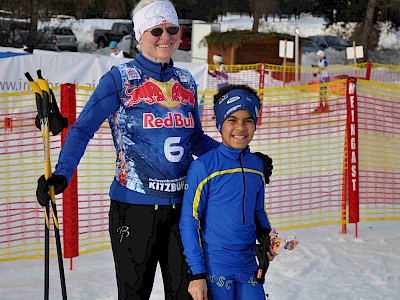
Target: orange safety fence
{"x":308,"y":148}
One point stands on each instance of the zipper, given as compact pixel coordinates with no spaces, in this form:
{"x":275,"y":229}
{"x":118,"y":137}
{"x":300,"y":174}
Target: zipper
{"x":244,"y":186}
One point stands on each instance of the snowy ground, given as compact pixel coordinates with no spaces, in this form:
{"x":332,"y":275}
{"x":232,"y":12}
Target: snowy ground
{"x":325,"y":265}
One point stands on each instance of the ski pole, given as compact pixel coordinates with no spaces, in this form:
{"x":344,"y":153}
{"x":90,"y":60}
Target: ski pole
{"x":42,"y":95}
{"x":46,"y":91}
{"x":39,"y":105}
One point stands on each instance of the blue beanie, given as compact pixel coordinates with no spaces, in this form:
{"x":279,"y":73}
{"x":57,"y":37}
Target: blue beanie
{"x":113,"y":44}
{"x":234,"y":100}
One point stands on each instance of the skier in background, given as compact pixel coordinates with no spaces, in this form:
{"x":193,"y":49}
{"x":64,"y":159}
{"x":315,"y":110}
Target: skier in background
{"x":220,"y":72}
{"x":322,"y":71}
{"x":27,"y":49}
{"x":116,"y":52}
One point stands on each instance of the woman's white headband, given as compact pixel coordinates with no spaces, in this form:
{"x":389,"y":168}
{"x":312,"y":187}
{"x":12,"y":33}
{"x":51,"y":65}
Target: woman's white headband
{"x":160,"y":12}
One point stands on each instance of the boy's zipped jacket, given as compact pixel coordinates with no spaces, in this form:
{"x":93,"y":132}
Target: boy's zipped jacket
{"x":224,"y":195}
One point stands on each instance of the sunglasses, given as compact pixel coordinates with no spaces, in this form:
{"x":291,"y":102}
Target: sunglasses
{"x":172,"y":30}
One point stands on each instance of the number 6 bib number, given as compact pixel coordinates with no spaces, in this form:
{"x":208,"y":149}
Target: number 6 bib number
{"x":173,"y":152}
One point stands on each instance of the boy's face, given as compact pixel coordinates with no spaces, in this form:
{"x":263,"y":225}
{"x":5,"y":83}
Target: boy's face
{"x":238,"y":130}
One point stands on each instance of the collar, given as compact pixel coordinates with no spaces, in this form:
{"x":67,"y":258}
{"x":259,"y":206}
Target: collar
{"x":233,"y":153}
{"x":158,"y":71}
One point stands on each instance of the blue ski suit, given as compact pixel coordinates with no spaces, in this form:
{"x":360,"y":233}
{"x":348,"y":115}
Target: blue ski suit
{"x":154,"y":120}
{"x":224,"y":195}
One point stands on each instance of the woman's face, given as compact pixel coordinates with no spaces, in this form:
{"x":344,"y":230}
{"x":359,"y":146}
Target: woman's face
{"x":160,"y":48}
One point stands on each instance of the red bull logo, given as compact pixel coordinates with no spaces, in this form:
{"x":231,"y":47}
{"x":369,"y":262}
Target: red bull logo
{"x":173,"y":120}
{"x":147,"y":92}
{"x":168,"y":94}
{"x":181,"y":95}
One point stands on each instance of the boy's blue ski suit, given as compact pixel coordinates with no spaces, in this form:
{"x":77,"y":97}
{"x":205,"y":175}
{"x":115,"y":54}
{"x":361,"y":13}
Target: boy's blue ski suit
{"x":224,"y":195}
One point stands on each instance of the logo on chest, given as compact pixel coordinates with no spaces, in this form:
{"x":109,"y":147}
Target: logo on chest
{"x":173,"y":120}
{"x":169,"y":94}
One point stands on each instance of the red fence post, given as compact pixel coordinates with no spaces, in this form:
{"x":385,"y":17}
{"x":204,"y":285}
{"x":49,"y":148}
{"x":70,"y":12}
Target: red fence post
{"x":368,"y":74}
{"x":70,"y":195}
{"x":261,"y":86}
{"x":352,"y":151}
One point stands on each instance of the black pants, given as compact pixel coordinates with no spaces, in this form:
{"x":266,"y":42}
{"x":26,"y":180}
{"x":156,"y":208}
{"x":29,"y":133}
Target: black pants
{"x":141,"y":236}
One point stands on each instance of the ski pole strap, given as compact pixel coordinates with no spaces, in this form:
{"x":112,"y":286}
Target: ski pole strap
{"x":46,"y":104}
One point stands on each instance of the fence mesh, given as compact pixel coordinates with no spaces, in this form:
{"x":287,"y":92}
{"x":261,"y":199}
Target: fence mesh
{"x":307,"y":147}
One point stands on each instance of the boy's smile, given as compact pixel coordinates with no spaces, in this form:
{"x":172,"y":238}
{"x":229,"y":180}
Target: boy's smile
{"x":238,"y":130}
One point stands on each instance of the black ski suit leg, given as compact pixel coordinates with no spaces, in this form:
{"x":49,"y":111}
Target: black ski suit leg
{"x":133,"y":239}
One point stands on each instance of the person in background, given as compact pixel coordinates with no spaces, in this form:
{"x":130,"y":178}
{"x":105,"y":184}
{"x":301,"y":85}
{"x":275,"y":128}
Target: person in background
{"x":151,"y":107}
{"x":223,"y":204}
{"x":117,"y":53}
{"x":322,"y":71}
{"x":220,"y":72}
{"x":27,"y":49}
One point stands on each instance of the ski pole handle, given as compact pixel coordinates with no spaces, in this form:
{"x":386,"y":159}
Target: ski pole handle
{"x":46,"y":94}
{"x":38,"y":94}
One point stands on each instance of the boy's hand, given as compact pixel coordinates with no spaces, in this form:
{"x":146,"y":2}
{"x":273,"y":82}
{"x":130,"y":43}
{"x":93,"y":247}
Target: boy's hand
{"x":275,"y":244}
{"x":271,"y":253}
{"x":198,"y":289}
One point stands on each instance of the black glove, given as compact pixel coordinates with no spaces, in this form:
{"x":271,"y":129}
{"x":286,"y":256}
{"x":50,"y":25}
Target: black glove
{"x":42,"y":191}
{"x":197,"y":276}
{"x":267,"y":165}
{"x":261,"y":253}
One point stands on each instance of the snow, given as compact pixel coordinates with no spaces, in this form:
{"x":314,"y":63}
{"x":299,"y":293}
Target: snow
{"x":325,"y":265}
{"x":388,"y":51}
{"x":388,"y":47}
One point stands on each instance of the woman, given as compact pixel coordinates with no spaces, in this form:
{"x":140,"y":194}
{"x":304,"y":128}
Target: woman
{"x":152,"y":110}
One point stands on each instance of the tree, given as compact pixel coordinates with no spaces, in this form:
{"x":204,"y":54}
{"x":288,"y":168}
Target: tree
{"x":116,"y":9}
{"x":367,"y":25}
{"x":258,"y":8}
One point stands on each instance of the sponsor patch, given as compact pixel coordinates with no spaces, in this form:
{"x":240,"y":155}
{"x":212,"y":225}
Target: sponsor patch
{"x":132,"y":73}
{"x":233,"y":99}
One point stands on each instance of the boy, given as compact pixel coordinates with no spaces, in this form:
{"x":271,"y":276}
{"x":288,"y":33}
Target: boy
{"x":223,"y":202}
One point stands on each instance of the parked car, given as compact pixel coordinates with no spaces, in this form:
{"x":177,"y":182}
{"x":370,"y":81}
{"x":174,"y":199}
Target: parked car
{"x":103,"y":37}
{"x":329,"y":41}
{"x":185,"y":34}
{"x":308,"y":45}
{"x":17,"y":33}
{"x":63,"y":37}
